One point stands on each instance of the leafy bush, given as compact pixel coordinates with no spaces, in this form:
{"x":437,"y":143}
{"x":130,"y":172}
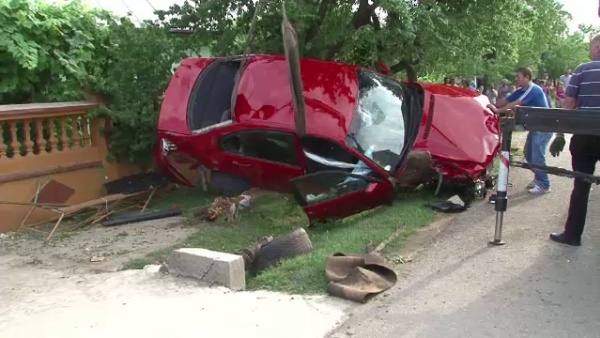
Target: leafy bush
{"x":137,"y":75}
{"x":47,"y":52}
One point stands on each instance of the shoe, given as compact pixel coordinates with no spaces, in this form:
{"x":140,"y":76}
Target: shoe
{"x":538,"y":191}
{"x":531,"y":185}
{"x":563,"y":239}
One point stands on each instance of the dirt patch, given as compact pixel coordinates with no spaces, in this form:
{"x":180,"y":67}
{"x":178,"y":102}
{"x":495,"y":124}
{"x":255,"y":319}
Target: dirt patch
{"x":110,"y":247}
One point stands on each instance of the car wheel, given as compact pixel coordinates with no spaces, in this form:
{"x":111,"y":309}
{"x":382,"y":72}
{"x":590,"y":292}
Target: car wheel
{"x":288,"y":246}
{"x":227,"y":185}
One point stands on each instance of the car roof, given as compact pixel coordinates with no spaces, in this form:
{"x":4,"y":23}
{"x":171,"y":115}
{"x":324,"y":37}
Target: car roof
{"x":330,"y":93}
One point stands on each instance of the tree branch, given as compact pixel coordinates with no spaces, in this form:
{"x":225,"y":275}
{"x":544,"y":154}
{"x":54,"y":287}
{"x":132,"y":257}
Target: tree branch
{"x":316,"y":27}
{"x":361,"y":17}
{"x":376,"y":23}
{"x":411,"y":74}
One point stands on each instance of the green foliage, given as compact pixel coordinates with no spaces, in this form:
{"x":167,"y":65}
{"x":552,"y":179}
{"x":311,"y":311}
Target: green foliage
{"x":47,"y":51}
{"x":487,"y":38}
{"x":566,"y":53}
{"x":138,"y":72}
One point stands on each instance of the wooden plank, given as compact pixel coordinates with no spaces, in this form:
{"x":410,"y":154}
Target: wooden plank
{"x":98,"y":202}
{"x":17,"y":176}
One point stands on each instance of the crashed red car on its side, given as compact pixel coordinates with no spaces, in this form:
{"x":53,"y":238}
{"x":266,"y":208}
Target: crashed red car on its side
{"x":238,"y":120}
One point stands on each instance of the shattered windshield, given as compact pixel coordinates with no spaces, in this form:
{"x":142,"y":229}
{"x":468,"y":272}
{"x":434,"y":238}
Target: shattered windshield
{"x":377,"y":130}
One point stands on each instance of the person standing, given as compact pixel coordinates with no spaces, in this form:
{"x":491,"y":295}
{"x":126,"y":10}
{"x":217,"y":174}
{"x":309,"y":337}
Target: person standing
{"x":465,"y":83}
{"x":582,"y":92}
{"x":565,"y":79}
{"x":546,"y":90}
{"x":491,"y":93}
{"x":504,"y":89}
{"x":473,"y":84}
{"x":531,"y":95}
{"x":560,"y":95}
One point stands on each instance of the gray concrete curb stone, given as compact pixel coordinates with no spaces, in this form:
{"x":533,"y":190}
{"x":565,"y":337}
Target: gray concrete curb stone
{"x":209,"y":266}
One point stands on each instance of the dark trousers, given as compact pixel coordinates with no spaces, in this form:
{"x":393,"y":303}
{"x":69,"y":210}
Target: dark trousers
{"x":585,"y":152}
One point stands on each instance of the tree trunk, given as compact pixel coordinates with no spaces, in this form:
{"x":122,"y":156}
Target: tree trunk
{"x":361,"y":17}
{"x":406,"y":66}
{"x":411,"y":74}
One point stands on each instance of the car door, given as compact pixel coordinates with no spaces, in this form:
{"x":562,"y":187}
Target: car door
{"x":267,"y":159}
{"x":340,"y":182}
{"x":338,"y":194}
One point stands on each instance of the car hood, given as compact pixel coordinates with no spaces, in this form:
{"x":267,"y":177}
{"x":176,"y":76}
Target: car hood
{"x":465,"y":135}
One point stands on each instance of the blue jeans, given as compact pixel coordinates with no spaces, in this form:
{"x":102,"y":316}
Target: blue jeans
{"x":535,"y":153}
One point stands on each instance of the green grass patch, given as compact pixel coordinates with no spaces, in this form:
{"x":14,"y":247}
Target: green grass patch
{"x":274,"y":215}
{"x":136,"y":264}
{"x":305,"y":274}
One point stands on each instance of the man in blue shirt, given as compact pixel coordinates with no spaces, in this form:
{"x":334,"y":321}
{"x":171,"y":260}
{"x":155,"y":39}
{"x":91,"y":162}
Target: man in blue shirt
{"x":531,"y":95}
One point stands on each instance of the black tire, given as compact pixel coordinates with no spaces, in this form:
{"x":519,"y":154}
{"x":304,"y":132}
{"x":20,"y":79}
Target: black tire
{"x":227,"y":185}
{"x":288,"y":246}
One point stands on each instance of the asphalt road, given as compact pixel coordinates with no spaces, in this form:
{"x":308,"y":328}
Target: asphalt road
{"x":461,"y":287}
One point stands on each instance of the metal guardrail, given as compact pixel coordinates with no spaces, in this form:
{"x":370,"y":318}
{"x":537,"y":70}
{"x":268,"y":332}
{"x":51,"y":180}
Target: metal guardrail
{"x":569,"y":121}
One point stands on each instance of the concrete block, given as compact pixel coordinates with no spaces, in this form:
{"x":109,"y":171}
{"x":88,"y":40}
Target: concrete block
{"x":209,"y":266}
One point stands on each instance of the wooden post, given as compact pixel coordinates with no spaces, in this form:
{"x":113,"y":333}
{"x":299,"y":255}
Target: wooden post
{"x":52,"y":139}
{"x":63,"y":135}
{"x":14,"y":143}
{"x":28,"y":142}
{"x":40,"y":140}
{"x":2,"y":145}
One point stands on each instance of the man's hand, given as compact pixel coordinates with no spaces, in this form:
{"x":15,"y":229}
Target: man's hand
{"x":557,"y":145}
{"x":493,"y":108}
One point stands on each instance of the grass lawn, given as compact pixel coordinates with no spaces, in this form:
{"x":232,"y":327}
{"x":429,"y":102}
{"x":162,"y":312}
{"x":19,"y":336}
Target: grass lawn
{"x":274,"y":214}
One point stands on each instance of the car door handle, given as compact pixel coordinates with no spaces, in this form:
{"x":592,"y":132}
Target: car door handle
{"x":241,"y":164}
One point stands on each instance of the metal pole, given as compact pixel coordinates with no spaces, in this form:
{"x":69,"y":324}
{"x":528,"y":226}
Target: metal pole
{"x":501,"y":202}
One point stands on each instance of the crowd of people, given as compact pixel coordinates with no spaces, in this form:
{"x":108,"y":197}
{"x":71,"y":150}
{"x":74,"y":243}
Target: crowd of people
{"x":554,"y":89}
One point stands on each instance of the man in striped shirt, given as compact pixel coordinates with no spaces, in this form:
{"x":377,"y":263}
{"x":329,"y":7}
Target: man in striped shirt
{"x":530,"y":95}
{"x":583,"y":92}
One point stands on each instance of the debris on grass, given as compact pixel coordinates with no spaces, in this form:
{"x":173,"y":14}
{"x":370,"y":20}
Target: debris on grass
{"x":358,"y":277}
{"x":275,"y":215}
{"x":96,"y":259}
{"x":227,"y":207}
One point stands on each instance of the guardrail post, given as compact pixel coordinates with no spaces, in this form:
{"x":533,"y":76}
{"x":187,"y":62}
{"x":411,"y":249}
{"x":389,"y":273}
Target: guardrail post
{"x":501,"y":201}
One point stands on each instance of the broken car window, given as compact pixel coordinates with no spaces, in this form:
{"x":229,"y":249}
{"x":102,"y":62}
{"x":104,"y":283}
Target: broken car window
{"x":211,"y":96}
{"x":326,"y":186}
{"x":377,"y":129}
{"x":322,"y":154}
{"x":266,"y":145}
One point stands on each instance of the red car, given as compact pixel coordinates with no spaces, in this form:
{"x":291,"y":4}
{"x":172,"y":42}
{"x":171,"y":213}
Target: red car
{"x":238,"y":119}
